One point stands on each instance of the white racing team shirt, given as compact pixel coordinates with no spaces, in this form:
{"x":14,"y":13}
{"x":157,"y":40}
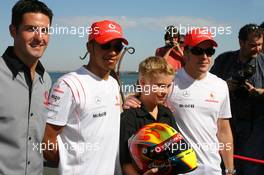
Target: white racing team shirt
{"x":197,"y":105}
{"x":89,"y":109}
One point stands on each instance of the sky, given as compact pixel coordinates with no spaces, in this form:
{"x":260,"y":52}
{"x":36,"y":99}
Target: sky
{"x":143,"y":22}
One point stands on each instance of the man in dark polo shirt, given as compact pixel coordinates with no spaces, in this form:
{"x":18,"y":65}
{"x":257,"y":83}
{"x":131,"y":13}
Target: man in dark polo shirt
{"x":244,"y":72}
{"x":24,"y":89}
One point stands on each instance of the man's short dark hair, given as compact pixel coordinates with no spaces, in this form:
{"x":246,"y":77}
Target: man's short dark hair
{"x":249,"y":29}
{"x":29,"y":6}
{"x":262,"y":25}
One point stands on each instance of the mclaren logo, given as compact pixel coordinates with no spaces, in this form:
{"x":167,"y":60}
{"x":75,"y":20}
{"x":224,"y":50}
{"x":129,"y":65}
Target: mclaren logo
{"x":100,"y":114}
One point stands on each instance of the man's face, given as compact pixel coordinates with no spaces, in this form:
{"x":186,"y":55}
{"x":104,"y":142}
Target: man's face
{"x":107,"y":55}
{"x":251,"y":47}
{"x":31,"y":37}
{"x":198,"y":61}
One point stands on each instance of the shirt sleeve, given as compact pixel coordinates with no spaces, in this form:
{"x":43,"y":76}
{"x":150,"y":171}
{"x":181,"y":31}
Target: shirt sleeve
{"x":60,"y":105}
{"x":225,"y":110}
{"x":127,"y":129}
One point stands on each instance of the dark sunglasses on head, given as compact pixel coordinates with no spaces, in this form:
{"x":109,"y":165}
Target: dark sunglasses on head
{"x":116,"y":47}
{"x":200,"y":51}
{"x":254,"y":27}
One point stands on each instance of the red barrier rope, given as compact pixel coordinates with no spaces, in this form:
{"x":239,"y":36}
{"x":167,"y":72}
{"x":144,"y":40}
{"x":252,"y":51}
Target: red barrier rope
{"x":249,"y":159}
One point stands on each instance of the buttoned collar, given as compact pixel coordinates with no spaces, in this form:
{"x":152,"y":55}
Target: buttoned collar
{"x":16,"y":65}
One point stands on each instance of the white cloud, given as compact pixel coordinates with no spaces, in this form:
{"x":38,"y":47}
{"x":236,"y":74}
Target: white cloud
{"x":141,"y":22}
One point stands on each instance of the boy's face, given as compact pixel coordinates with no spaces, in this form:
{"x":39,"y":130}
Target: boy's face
{"x":157,"y":88}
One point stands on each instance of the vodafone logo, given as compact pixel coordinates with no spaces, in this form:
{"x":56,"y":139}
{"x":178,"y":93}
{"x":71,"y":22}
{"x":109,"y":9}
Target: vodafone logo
{"x":112,"y":29}
{"x":111,"y":26}
{"x":212,"y":98}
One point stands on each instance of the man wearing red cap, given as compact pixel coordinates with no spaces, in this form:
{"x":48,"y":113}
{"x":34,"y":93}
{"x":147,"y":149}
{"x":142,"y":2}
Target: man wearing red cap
{"x":200,"y":102}
{"x":201,"y":106}
{"x":82,"y":132}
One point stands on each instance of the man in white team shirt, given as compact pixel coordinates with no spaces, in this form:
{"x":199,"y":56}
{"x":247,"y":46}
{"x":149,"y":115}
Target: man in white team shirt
{"x":200,"y":103}
{"x":82,"y":131}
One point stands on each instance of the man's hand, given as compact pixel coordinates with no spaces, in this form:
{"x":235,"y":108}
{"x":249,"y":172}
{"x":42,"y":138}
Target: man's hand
{"x":151,"y":171}
{"x":177,"y":47}
{"x":254,"y":91}
{"x":131,"y":102}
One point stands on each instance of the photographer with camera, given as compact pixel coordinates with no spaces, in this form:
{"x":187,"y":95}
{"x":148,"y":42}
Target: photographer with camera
{"x":172,"y":51}
{"x":244,"y":72}
{"x":262,"y":26}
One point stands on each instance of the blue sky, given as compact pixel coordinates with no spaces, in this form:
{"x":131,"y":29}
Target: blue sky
{"x":143,"y":23}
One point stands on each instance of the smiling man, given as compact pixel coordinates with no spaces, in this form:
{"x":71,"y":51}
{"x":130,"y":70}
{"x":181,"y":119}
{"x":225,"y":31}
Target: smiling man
{"x":200,"y":102}
{"x":84,"y":108}
{"x":24,"y":87}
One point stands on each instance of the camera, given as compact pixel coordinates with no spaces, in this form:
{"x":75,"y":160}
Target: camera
{"x":170,"y":42}
{"x":241,"y":77}
{"x":170,"y":35}
{"x":247,"y":72}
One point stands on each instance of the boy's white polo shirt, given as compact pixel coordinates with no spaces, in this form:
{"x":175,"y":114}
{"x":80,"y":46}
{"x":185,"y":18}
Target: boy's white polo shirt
{"x":89,"y":109}
{"x":197,"y":105}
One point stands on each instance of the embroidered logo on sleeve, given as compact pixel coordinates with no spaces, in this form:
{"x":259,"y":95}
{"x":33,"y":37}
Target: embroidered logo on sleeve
{"x":117,"y":101}
{"x":56,"y":96}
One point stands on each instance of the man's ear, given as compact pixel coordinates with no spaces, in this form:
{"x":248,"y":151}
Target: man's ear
{"x":89,"y":46}
{"x":142,"y":81}
{"x":12,"y":30}
{"x":186,"y":53}
{"x":241,"y":43}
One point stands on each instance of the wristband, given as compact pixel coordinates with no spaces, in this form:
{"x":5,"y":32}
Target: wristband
{"x":230,"y":171}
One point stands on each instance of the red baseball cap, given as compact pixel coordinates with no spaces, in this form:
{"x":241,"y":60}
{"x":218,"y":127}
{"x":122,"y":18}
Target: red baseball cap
{"x":198,"y":35}
{"x":105,"y":31}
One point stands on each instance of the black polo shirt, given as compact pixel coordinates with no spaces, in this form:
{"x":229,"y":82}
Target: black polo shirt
{"x":134,"y":119}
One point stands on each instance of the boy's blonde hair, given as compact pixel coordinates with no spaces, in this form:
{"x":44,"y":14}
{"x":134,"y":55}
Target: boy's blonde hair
{"x":154,"y":65}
